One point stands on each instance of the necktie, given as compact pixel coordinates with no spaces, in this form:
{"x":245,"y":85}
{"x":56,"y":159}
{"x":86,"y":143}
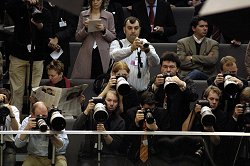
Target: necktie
{"x":144,"y":146}
{"x":151,"y":16}
{"x":216,"y":34}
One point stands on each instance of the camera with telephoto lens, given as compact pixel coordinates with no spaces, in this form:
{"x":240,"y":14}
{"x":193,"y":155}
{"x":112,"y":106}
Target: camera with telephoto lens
{"x":122,"y":85}
{"x":207,"y":117}
{"x":100,"y":114}
{"x":41,"y":123}
{"x":230,"y":87}
{"x":148,"y":116}
{"x":4,"y":111}
{"x":170,"y":87}
{"x":55,"y":119}
{"x":36,"y":14}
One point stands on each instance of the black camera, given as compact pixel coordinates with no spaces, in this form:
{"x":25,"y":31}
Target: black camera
{"x":122,"y":85}
{"x":100,"y":114}
{"x":246,"y":113}
{"x":207,"y":117}
{"x":36,"y":14}
{"x":148,"y":116}
{"x":146,"y":45}
{"x":4,"y":111}
{"x":170,"y":87}
{"x":55,"y":119}
{"x":41,"y":123}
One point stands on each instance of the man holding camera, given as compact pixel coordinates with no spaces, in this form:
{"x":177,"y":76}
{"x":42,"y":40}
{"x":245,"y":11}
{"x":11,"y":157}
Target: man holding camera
{"x":229,"y":83}
{"x":137,"y":53}
{"x":28,"y":45}
{"x":101,"y":116}
{"x":38,"y":144}
{"x":147,"y":118}
{"x":10,"y":120}
{"x":173,"y":92}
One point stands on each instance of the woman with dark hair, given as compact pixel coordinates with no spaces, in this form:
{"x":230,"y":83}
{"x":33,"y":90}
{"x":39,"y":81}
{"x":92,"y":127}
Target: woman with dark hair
{"x":93,"y":57}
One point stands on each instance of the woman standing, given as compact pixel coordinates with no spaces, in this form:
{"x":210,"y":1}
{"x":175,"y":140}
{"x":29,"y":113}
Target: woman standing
{"x":93,"y":57}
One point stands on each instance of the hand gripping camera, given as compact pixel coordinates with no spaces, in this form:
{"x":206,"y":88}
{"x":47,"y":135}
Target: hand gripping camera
{"x":246,"y":114}
{"x":100,"y":114}
{"x":207,"y":117}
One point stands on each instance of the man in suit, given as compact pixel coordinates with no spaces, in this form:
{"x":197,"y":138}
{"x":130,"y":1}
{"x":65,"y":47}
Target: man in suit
{"x":198,"y":54}
{"x":159,"y":25}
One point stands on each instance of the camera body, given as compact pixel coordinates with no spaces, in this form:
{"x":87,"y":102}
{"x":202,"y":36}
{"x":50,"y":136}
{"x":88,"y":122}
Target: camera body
{"x":4,"y":111}
{"x":148,"y":115}
{"x":122,"y":85}
{"x":207,"y":116}
{"x":100,"y":114}
{"x":170,"y":87}
{"x":36,"y":14}
{"x":230,"y":87}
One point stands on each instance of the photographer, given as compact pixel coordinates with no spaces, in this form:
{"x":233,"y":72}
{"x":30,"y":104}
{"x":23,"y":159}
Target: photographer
{"x":137,"y":53}
{"x":38,"y":144}
{"x":171,"y":89}
{"x":229,"y":83}
{"x":10,"y":116}
{"x":28,"y":44}
{"x":215,"y":120}
{"x":128,"y":99}
{"x":147,"y":118}
{"x":89,"y":120}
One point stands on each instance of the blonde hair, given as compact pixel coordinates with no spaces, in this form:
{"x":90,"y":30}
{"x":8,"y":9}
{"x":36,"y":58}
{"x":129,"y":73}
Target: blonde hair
{"x":120,"y":65}
{"x":228,"y":60}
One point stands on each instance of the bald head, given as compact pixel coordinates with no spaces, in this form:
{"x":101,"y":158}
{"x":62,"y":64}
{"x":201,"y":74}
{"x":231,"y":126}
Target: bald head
{"x":39,"y":108}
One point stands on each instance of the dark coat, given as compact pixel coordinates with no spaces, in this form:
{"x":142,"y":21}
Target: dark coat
{"x":25,"y":32}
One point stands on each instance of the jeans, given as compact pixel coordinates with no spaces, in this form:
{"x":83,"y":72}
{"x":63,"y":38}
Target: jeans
{"x":197,"y":75}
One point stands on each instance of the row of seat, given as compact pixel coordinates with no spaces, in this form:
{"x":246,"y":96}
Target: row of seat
{"x":224,"y":50}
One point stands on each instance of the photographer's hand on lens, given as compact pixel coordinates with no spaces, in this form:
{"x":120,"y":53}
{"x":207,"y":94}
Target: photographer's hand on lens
{"x":31,"y":2}
{"x":152,"y":127}
{"x":38,"y":25}
{"x":100,"y":127}
{"x":237,"y":81}
{"x":159,"y":80}
{"x":238,"y":110}
{"x":209,"y":128}
{"x":112,"y":81}
{"x":219,"y":79}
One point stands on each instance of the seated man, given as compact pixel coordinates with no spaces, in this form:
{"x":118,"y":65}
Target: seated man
{"x":198,"y":54}
{"x":229,"y":83}
{"x":89,"y":120}
{"x":173,"y":92}
{"x":147,"y":118}
{"x":38,"y":144}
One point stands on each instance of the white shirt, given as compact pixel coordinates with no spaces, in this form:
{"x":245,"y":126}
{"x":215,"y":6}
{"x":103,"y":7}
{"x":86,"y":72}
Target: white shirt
{"x":9,"y":137}
{"x":149,"y":60}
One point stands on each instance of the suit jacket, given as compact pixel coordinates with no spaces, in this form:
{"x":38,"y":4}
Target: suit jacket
{"x":205,"y":61}
{"x":163,"y":17}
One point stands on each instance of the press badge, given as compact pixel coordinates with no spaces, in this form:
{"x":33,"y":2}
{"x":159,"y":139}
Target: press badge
{"x":62,"y":23}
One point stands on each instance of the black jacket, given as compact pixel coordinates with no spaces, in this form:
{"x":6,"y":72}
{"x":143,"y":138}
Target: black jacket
{"x":25,"y":31}
{"x":178,"y":104}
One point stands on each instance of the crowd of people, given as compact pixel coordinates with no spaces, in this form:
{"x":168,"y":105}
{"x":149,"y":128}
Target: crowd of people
{"x":132,"y":99}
